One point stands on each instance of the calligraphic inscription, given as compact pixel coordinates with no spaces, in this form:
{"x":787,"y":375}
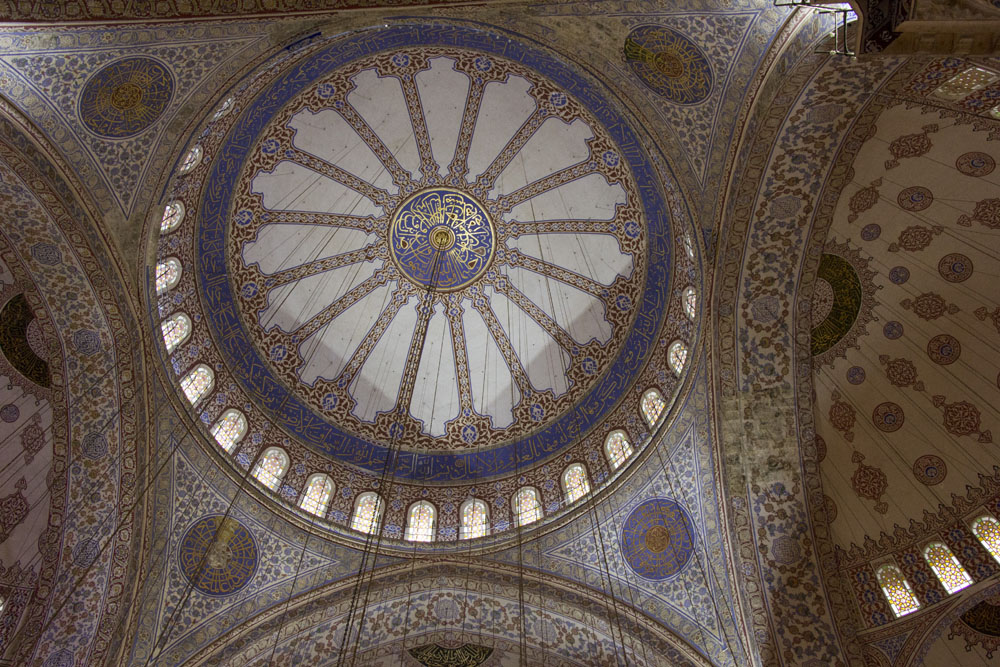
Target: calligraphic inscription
{"x":658,"y":539}
{"x":442,"y":239}
{"x":669,"y":63}
{"x":218,"y":555}
{"x":126,"y":97}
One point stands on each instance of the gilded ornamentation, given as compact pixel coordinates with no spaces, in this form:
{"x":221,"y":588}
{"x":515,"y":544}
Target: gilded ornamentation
{"x":657,"y":539}
{"x":669,"y":63}
{"x":126,"y":97}
{"x":436,"y":655}
{"x":842,"y":304}
{"x":16,"y":343}
{"x":218,"y":555}
{"x":980,"y":626}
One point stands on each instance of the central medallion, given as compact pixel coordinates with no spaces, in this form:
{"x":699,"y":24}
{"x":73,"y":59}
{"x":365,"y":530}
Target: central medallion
{"x":442,"y":239}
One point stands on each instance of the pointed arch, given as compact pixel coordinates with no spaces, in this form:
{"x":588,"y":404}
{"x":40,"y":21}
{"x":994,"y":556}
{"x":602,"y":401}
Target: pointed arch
{"x":527,"y":506}
{"x":420,"y":522}
{"x":367,"y":512}
{"x":175,"y":330}
{"x":689,"y":297}
{"x":946,"y":567}
{"x":271,"y":467}
{"x":173,"y":215}
{"x":987,"y":530}
{"x":168,"y":274}
{"x":652,"y":406}
{"x":617,"y":448}
{"x":198,"y":383}
{"x":230,"y":429}
{"x":191,"y":160}
{"x":475,"y":519}
{"x":317,"y":494}
{"x":575,"y":482}
{"x":677,"y":355}
{"x":897,"y":590}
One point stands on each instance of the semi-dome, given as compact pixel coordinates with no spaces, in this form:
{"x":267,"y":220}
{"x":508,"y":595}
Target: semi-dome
{"x":432,"y":246}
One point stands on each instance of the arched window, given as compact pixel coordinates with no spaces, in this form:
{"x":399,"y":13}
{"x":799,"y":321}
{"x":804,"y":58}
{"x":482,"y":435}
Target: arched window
{"x":197,"y":383}
{"x":618,"y":448}
{"x":677,"y":355}
{"x":987,"y":529}
{"x":949,"y":571}
{"x":173,"y":213}
{"x":191,"y":160}
{"x":420,"y":522}
{"x":652,"y":406}
{"x":271,"y":467}
{"x":223,"y":109}
{"x":168,"y":274}
{"x":690,"y":298}
{"x":897,"y":590}
{"x":575,"y":483}
{"x":3,"y":604}
{"x":367,"y":512}
{"x":475,"y":519}
{"x":175,"y":330}
{"x":527,"y":506}
{"x":688,"y":245}
{"x":316,"y":497}
{"x":230,"y":429}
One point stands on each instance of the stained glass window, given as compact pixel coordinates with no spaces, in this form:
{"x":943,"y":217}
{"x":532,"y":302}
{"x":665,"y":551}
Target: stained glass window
{"x":575,"y":482}
{"x":168,"y":273}
{"x":3,"y":603}
{"x":191,"y":160}
{"x":223,"y":109}
{"x":271,"y":467}
{"x":173,"y":213}
{"x":995,"y":112}
{"x":527,"y":506}
{"x":475,"y":519}
{"x":420,"y":522}
{"x":965,"y":83}
{"x":229,"y":429}
{"x":197,"y":383}
{"x":987,"y":529}
{"x":949,"y":571}
{"x":688,"y":245}
{"x":690,"y":298}
{"x":618,"y":448}
{"x":677,"y":354}
{"x":897,"y":590}
{"x":652,"y":406}
{"x":367,"y":512}
{"x":175,"y":330}
{"x":319,"y":490}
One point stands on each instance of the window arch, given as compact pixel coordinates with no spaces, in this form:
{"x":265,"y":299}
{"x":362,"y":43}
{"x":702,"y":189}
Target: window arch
{"x":173,"y":214}
{"x":575,"y":482}
{"x":223,"y":109}
{"x":175,"y":330}
{"x":652,"y":406}
{"x":230,"y":429}
{"x":949,"y":571}
{"x":688,"y":245}
{"x":3,"y":604}
{"x":690,"y":299}
{"x":618,"y":448}
{"x":317,"y":494}
{"x":420,"y":522}
{"x":271,"y":467}
{"x":677,"y":355}
{"x":191,"y":160}
{"x":527,"y":506}
{"x":168,"y":274}
{"x":197,"y":383}
{"x":987,"y":530}
{"x":367,"y":512}
{"x":897,"y":590}
{"x":475,"y":517}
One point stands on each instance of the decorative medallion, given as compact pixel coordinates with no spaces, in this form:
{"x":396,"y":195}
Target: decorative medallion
{"x":871,"y":232}
{"x":892,"y":330}
{"x":13,"y":509}
{"x":888,"y":417}
{"x":910,"y":145}
{"x":955,"y":267}
{"x":864,"y":199}
{"x":986,"y":213}
{"x":842,"y":303}
{"x":830,"y":507}
{"x":930,"y":469}
{"x":855,"y":374}
{"x":901,"y":372}
{"x":898,"y":275}
{"x":437,"y":655}
{"x":913,"y":199}
{"x":869,"y":482}
{"x":980,"y":626}
{"x":915,"y":238}
{"x":944,"y":349}
{"x":441,"y":239}
{"x":962,"y":418}
{"x":16,"y":341}
{"x":218,"y":555}
{"x":126,"y":97}
{"x":929,"y":306}
{"x":983,"y":313}
{"x":820,"y":448}
{"x":842,"y":416}
{"x":669,"y":63}
{"x":657,"y":539}
{"x":10,"y":413}
{"x":975,"y":164}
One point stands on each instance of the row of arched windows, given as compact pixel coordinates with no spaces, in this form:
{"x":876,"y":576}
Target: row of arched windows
{"x":946,"y":567}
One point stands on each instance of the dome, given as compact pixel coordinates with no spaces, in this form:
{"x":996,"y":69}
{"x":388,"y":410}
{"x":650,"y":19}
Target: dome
{"x":431,"y":261}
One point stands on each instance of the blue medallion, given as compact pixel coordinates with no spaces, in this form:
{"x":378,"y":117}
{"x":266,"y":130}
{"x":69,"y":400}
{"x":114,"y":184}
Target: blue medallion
{"x":658,"y":539}
{"x":126,"y":97}
{"x":441,"y":239}
{"x":218,"y":555}
{"x":669,"y":63}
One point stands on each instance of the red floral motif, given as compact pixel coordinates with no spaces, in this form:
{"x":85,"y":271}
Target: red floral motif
{"x":842,"y":416}
{"x":864,"y":199}
{"x":901,"y":372}
{"x":869,"y":482}
{"x":888,"y":417}
{"x":831,"y":508}
{"x":910,"y":145}
{"x":929,"y":306}
{"x":982,"y":313}
{"x":32,"y":439}
{"x":962,"y":418}
{"x":915,"y":237}
{"x":13,"y":509}
{"x":820,"y":448}
{"x":987,"y":213}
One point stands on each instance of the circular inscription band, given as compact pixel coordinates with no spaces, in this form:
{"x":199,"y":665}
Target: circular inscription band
{"x":442,"y":239}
